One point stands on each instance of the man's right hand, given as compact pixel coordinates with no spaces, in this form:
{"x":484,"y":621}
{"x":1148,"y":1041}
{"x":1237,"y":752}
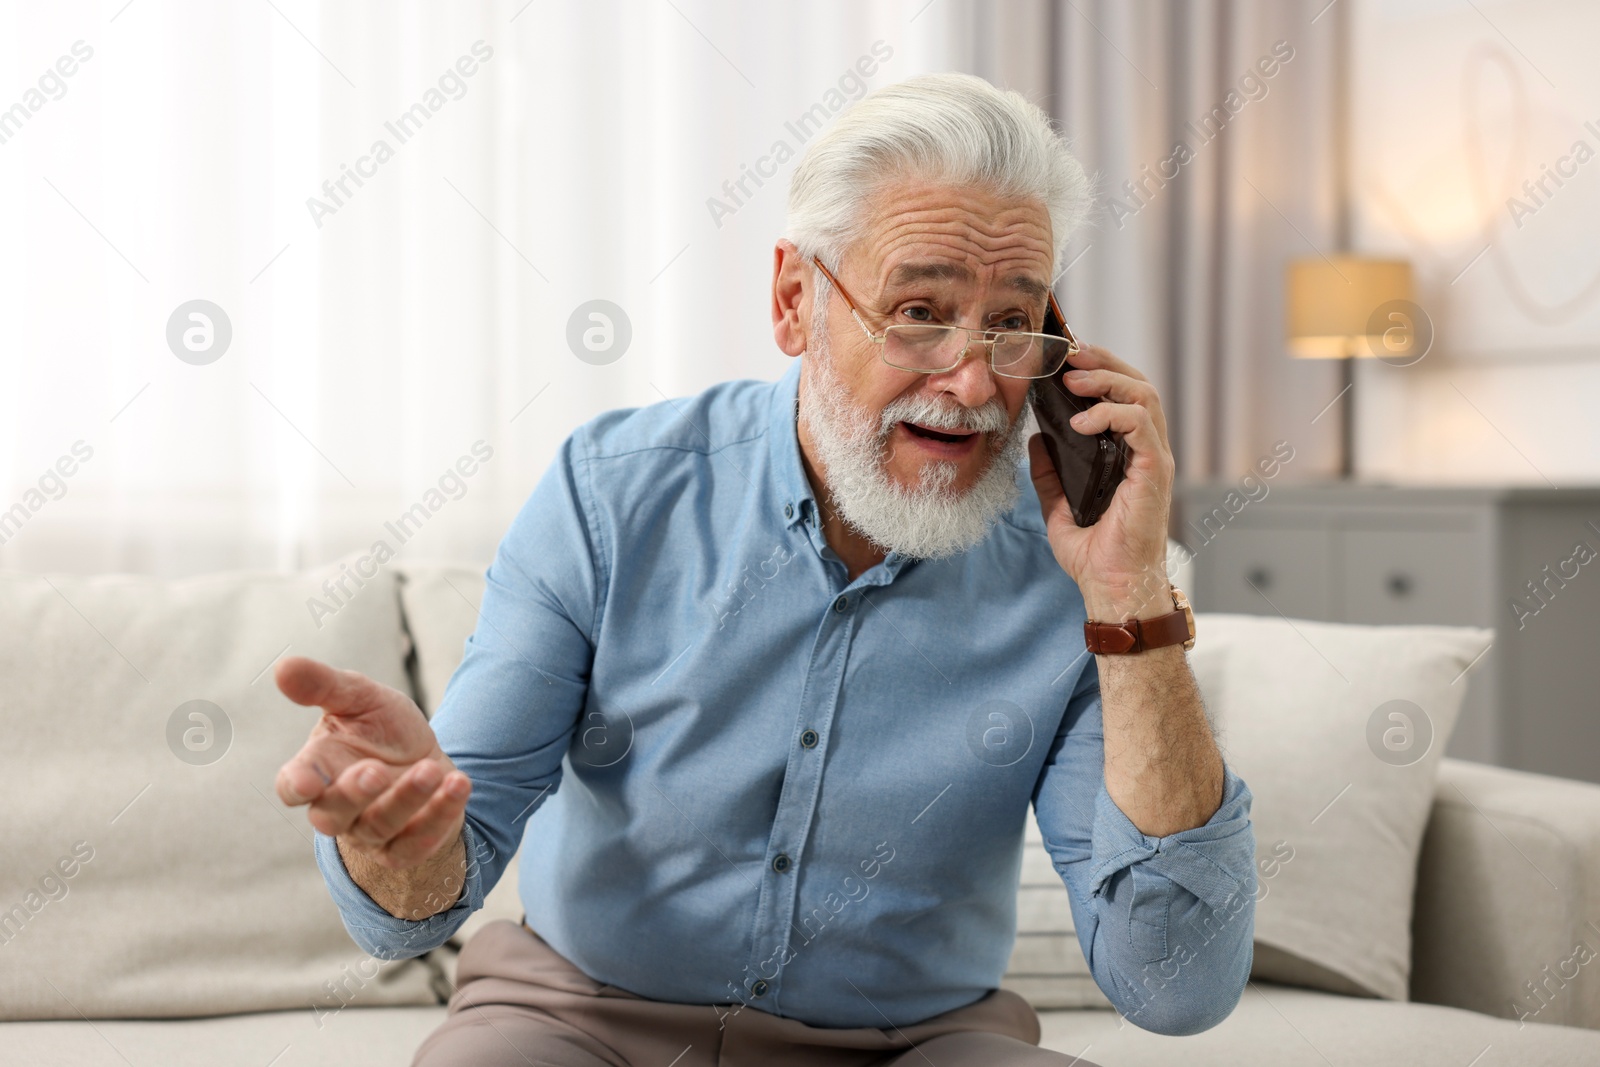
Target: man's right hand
{"x":372,"y":770}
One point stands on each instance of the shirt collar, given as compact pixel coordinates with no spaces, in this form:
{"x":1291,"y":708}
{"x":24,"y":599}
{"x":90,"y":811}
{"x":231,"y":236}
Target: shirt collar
{"x":783,"y":441}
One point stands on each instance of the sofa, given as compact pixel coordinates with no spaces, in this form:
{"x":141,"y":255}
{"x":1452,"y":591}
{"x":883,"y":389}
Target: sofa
{"x":158,"y":905}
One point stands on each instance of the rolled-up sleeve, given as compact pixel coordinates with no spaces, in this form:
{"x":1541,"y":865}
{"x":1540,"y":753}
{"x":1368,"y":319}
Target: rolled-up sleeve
{"x":509,"y":710}
{"x":1166,"y":923}
{"x":381,"y":935}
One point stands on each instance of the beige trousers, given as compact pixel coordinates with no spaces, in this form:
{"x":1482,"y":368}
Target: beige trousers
{"x":519,"y":1003}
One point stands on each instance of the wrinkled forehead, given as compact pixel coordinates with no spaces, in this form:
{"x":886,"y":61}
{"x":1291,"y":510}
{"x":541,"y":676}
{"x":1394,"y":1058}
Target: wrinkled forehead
{"x":955,"y":236}
{"x":911,"y":273}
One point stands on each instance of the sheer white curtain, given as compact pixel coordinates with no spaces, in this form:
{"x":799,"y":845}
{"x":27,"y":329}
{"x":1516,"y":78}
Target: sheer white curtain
{"x":380,"y":334}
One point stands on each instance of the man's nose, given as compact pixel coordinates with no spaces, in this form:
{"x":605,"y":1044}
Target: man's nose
{"x":970,"y":381}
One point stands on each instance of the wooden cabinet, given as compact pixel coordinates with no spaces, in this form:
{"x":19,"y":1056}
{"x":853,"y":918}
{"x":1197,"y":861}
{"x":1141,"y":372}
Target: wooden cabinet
{"x":1525,"y":561}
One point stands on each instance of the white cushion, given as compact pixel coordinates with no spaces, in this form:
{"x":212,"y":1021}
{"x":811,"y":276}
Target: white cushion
{"x":1337,"y":915}
{"x":1314,"y":717}
{"x":354,"y":1037}
{"x":199,"y":894}
{"x":1277,"y":1026}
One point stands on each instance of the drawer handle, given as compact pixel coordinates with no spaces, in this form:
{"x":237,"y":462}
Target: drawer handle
{"x":1259,"y":577}
{"x":1399,"y":585}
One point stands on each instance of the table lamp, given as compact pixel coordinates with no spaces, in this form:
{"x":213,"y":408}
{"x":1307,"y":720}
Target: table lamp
{"x":1337,"y":310}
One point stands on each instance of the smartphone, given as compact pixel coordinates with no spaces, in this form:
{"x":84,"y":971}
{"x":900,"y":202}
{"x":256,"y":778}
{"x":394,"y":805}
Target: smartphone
{"x":1090,"y":466}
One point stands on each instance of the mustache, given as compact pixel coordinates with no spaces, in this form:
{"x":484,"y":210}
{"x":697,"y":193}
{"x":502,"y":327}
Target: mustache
{"x":925,"y":411}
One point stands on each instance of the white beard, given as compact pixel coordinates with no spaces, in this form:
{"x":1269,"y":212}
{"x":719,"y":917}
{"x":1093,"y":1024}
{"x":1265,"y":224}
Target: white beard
{"x":931,"y":521}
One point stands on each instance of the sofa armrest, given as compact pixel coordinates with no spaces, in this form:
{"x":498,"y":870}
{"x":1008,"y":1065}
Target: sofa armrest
{"x":1507,"y":918}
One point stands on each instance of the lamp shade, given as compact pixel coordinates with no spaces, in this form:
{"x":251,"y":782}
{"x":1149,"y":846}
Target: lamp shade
{"x":1334,"y":304}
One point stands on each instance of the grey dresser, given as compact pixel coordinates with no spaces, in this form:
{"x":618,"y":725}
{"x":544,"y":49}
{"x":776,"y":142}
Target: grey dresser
{"x":1525,"y":561}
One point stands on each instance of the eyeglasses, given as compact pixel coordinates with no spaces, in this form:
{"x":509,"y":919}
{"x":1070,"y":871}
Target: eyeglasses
{"x":928,"y":348}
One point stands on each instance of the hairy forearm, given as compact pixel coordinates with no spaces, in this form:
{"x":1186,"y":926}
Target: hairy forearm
{"x":416,"y":893}
{"x":1163,"y":768}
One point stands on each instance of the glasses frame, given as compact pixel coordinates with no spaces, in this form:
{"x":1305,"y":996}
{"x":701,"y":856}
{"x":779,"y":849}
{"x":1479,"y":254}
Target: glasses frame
{"x":986,"y":339}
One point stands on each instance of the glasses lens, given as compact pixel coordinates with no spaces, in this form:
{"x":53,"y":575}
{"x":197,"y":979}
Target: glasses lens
{"x":937,"y":348}
{"x":1029,"y":355}
{"x":926,"y":348}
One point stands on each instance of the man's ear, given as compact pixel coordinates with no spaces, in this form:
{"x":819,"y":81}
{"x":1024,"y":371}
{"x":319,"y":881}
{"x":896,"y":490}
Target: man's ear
{"x":791,"y":298}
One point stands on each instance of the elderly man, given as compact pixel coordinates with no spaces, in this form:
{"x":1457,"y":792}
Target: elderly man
{"x":799,"y":655}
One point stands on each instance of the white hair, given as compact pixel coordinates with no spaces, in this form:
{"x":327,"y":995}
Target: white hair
{"x":953,"y":128}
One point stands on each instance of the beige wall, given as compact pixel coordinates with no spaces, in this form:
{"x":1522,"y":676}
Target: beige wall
{"x":1454,"y":109}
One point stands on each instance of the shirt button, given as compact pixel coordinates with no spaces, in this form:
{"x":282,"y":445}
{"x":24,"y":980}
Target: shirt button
{"x":781,"y":862}
{"x":788,"y":511}
{"x":808,"y":739}
{"x":841,"y":604}
{"x":759,"y":989}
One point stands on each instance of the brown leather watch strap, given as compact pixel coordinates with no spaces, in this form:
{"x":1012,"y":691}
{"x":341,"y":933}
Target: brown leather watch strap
{"x":1136,"y":635}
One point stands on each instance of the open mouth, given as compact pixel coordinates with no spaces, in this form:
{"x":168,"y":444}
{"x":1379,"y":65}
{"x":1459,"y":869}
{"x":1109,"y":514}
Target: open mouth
{"x":947,"y":436}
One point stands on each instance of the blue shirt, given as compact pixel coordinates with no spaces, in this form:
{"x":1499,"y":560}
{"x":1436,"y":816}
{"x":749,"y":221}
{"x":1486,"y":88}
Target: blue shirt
{"x":785,"y":791}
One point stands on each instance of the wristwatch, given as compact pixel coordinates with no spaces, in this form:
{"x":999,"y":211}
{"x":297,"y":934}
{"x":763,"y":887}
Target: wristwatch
{"x":1137,"y":635}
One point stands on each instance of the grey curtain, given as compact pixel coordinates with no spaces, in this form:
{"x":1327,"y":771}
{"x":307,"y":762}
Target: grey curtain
{"x":1213,"y":130}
